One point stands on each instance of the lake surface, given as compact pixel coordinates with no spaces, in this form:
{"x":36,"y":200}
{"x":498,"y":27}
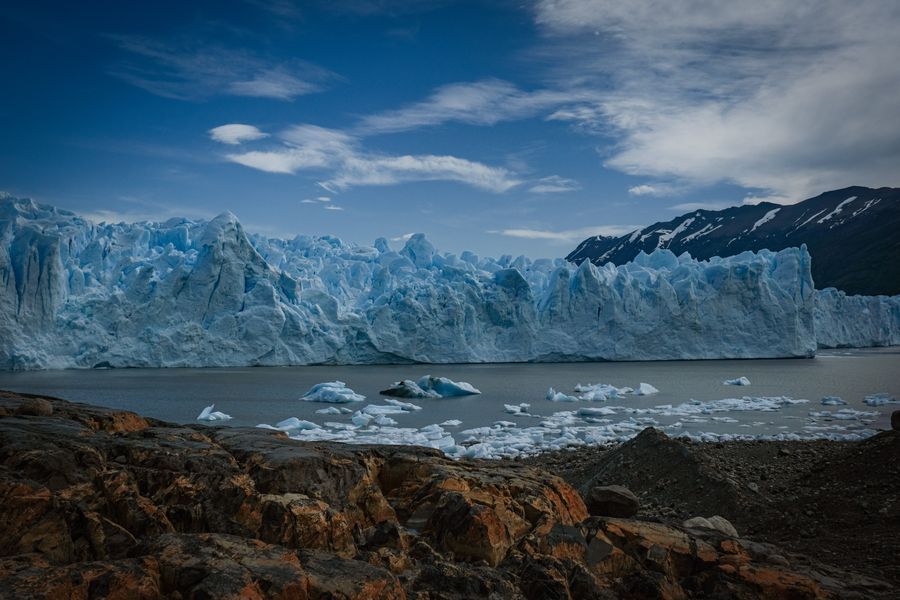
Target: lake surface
{"x":268,"y":395}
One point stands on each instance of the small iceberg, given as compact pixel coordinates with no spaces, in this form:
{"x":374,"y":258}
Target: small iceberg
{"x":334,"y":410}
{"x":295,"y":424}
{"x":554,"y":396}
{"x":517,"y":409}
{"x":880,"y":399}
{"x":335,"y":392}
{"x":738,"y":381}
{"x":645,"y":389}
{"x":833,"y":401}
{"x":430,"y":387}
{"x":208,"y":414}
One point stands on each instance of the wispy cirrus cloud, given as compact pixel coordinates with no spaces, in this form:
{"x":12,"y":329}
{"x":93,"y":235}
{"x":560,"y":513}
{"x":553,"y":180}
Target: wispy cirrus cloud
{"x":554,"y":184}
{"x":565,"y":236}
{"x":485,"y":102}
{"x":188,"y":69}
{"x":787,"y":97}
{"x":346,"y":164}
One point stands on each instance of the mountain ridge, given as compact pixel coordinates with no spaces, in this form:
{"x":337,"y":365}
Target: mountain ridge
{"x":853,"y":235}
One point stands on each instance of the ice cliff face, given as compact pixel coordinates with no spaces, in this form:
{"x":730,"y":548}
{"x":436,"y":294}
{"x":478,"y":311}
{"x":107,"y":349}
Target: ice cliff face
{"x":185,"y":293}
{"x":844,"y":321}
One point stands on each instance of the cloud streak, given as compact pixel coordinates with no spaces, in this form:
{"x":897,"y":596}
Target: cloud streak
{"x":554,"y":184}
{"x":347,"y":164}
{"x":485,"y":102}
{"x":185,"y":69}
{"x":566,"y":236}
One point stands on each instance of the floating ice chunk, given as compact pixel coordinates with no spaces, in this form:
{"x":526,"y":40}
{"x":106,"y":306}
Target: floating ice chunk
{"x":361,"y":419}
{"x":451,"y":423}
{"x":293,"y":423}
{"x":645,"y":389}
{"x":447,"y":388}
{"x":845,"y":414}
{"x":384,"y":421}
{"x":595,"y":412}
{"x":833,"y":401}
{"x":408,"y":389}
{"x":375,"y":410}
{"x":335,"y":392}
{"x":880,"y":399}
{"x":554,"y":396}
{"x":517,"y":409}
{"x":403,"y":405}
{"x":334,"y":410}
{"x":598,"y":392}
{"x":738,"y":381}
{"x":208,"y":414}
{"x":430,"y":387}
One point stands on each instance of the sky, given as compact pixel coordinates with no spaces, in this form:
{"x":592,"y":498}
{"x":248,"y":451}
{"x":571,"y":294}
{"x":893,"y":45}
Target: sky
{"x":502,"y":127}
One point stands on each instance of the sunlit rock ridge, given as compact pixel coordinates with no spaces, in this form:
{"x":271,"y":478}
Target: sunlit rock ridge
{"x":197,"y":293}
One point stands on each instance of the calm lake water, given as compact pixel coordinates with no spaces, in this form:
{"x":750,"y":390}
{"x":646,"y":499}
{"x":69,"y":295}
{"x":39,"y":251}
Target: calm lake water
{"x":268,"y":395}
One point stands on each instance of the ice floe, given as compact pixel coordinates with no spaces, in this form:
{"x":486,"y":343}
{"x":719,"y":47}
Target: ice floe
{"x":833,"y":401}
{"x":738,"y":381}
{"x":335,"y":392}
{"x":208,"y":414}
{"x":589,"y":426}
{"x":880,"y":399}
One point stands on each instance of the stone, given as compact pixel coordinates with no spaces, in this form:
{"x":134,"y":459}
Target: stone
{"x":612,"y":501}
{"x":36,"y":407}
{"x":714,"y":523}
{"x":895,"y":420}
{"x":96,"y":502}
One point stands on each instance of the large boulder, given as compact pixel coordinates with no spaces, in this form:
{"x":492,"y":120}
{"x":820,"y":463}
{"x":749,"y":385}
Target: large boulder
{"x":612,"y":501}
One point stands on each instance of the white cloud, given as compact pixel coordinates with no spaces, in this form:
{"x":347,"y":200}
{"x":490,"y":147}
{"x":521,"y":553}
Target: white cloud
{"x":566,"y":236}
{"x":188,"y":69}
{"x":236,"y":133}
{"x":554,"y":184}
{"x":477,"y":103}
{"x":332,"y":207}
{"x":307,"y":147}
{"x":403,"y":238}
{"x":790,"y":98}
{"x":646,"y":189}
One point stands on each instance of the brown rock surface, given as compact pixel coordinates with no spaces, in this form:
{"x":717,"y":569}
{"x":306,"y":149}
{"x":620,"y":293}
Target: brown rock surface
{"x":102,"y":503}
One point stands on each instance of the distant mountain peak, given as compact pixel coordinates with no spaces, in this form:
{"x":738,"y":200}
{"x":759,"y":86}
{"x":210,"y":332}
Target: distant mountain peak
{"x":853,"y":235}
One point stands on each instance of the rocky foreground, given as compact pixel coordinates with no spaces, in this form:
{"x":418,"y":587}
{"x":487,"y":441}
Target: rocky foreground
{"x":99,"y":503}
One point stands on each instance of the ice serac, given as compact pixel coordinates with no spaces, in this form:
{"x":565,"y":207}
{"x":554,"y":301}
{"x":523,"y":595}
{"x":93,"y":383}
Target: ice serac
{"x":844,"y":321}
{"x":206,"y":293}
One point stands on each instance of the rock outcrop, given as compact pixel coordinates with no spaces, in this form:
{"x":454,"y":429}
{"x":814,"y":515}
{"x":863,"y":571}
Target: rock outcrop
{"x":98,"y":503}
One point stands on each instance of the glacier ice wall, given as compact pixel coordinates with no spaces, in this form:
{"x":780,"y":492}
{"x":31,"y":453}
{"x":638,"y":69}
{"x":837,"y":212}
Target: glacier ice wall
{"x":193,"y":293}
{"x":844,"y":321}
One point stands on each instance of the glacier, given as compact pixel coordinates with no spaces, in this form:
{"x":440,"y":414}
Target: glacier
{"x":184,"y":293}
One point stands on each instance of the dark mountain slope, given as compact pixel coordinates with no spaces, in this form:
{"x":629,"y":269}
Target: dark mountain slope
{"x":853,"y":236}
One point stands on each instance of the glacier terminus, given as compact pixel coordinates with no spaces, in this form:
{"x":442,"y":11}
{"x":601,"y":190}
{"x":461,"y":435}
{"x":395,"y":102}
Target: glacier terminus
{"x":184,"y":293}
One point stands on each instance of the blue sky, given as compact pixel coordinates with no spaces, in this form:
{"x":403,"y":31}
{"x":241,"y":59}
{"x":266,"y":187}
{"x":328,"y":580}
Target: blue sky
{"x":501,"y":127}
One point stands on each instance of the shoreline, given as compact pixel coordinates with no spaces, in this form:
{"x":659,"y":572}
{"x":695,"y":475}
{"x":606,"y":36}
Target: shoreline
{"x":98,"y":498}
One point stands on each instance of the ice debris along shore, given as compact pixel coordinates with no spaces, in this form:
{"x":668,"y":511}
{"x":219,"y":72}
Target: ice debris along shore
{"x":430,"y":387}
{"x":205,"y":293}
{"x":583,"y":426}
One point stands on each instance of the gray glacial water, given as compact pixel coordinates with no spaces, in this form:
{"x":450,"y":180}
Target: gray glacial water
{"x":268,"y":395}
